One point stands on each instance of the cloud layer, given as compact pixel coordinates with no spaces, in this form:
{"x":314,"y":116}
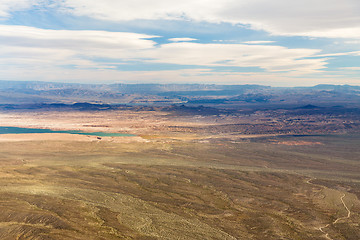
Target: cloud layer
{"x":319,"y":18}
{"x":86,"y":55}
{"x":8,"y":6}
{"x":64,"y":46}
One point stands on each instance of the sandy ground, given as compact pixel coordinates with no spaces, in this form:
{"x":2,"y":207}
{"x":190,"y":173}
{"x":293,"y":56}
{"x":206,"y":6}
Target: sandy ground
{"x":145,"y":124}
{"x":114,"y":121}
{"x":65,"y":137}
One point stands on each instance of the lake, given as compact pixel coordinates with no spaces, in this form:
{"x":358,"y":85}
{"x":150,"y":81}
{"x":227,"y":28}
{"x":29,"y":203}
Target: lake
{"x":17,"y":130}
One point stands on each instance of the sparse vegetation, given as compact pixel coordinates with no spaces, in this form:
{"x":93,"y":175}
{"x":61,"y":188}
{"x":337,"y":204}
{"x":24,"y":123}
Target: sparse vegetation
{"x":191,"y":172}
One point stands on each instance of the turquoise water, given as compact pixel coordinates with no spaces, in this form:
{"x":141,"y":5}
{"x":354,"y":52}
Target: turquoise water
{"x":17,"y":130}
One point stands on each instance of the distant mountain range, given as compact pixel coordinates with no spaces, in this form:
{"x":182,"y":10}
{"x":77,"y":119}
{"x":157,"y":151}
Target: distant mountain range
{"x":122,"y":88}
{"x":18,"y":92}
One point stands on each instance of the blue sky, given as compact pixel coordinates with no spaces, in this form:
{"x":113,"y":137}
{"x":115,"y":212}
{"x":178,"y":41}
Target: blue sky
{"x":277,"y":43}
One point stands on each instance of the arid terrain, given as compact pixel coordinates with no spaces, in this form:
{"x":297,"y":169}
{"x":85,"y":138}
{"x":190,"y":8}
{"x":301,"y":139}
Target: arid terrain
{"x":179,"y":120}
{"x":183,"y":176}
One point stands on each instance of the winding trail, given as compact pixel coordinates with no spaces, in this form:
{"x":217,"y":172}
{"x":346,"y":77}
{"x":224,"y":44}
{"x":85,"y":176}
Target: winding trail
{"x":326,"y":234}
{"x":321,"y":229}
{"x":347,"y":209}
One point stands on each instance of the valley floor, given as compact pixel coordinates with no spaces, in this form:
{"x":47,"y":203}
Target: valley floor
{"x":166,"y":183}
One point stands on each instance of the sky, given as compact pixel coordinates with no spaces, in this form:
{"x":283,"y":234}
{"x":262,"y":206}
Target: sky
{"x":274,"y":43}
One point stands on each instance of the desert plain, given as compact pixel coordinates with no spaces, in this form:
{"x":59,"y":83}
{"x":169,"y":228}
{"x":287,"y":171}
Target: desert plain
{"x":179,"y":177}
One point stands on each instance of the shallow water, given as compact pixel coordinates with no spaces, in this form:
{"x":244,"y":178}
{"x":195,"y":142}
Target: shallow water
{"x":17,"y":130}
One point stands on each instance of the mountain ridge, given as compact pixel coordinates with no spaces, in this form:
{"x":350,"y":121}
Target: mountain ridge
{"x":23,"y":92}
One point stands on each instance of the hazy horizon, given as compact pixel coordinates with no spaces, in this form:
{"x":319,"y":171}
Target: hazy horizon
{"x":185,"y":83}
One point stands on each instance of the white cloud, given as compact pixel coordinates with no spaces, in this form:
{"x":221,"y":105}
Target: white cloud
{"x":182,"y":39}
{"x":345,"y":32}
{"x":29,"y":49}
{"x":319,"y":18}
{"x":271,"y":58}
{"x":27,"y":36}
{"x":8,"y":6}
{"x":63,"y":46}
{"x":353,"y":53}
{"x":258,"y":42}
{"x":141,"y":9}
{"x":353,"y":42}
{"x":33,"y":53}
{"x":351,"y":68}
